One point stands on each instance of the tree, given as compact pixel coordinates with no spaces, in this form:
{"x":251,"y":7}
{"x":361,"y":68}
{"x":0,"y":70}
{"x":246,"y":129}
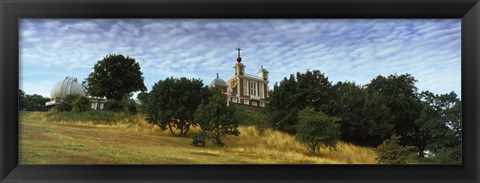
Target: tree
{"x":80,"y":104}
{"x":22,"y":101}
{"x":73,"y":102}
{"x":365,"y":119}
{"x":143,"y":97}
{"x":114,"y":77}
{"x":32,"y":102}
{"x":172,"y":103}
{"x":391,"y":152}
{"x":448,"y":156}
{"x":441,"y":120}
{"x":281,"y":109}
{"x":130,"y":106}
{"x":316,"y":130}
{"x":216,"y":118}
{"x":113,"y":105}
{"x":311,"y":88}
{"x":402,"y":98}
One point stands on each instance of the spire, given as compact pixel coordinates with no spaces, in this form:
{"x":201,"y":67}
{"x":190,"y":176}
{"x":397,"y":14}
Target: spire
{"x":239,"y":59}
{"x":217,"y":75}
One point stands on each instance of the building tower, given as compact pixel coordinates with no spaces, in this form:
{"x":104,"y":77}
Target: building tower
{"x":243,"y":88}
{"x":239,"y":68}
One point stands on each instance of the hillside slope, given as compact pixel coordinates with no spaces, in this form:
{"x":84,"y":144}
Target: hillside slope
{"x":133,"y":141}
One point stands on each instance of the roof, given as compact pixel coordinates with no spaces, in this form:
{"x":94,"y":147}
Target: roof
{"x":240,"y":65}
{"x":67,"y":86}
{"x":217,"y":82}
{"x":262,"y":70}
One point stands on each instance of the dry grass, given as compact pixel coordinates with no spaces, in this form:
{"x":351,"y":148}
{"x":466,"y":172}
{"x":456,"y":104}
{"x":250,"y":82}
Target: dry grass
{"x":133,"y":141}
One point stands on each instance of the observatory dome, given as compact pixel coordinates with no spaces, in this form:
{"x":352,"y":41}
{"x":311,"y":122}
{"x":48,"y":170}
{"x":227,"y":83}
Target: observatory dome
{"x":67,"y":86}
{"x":217,"y":82}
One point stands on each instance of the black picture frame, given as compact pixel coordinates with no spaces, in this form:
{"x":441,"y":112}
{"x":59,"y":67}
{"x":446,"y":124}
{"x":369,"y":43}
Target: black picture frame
{"x":11,"y":10}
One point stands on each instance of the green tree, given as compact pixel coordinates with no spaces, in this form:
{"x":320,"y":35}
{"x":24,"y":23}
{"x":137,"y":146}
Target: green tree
{"x":80,"y":104}
{"x":448,"y":156}
{"x":311,"y":88}
{"x":143,"y":97}
{"x":130,"y":106}
{"x":114,"y":77}
{"x":172,"y":103}
{"x":113,"y":105}
{"x":365,"y":119}
{"x":281,"y":108}
{"x":216,"y":118}
{"x":32,"y":102}
{"x":391,"y":152}
{"x":73,"y":102}
{"x":63,"y":106}
{"x":441,"y":119}
{"x":22,"y":101}
{"x":316,"y":130}
{"x":402,"y":98}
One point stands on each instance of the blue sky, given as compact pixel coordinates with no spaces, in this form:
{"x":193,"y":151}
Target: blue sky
{"x":354,"y":50}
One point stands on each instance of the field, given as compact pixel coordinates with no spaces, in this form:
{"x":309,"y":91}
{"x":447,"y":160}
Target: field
{"x":131,"y":140}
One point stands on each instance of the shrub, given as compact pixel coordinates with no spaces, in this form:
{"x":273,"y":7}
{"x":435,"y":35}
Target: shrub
{"x":448,"y":156}
{"x":130,"y":107}
{"x":391,"y":152}
{"x":90,"y":115}
{"x":73,"y":102}
{"x":63,"y":107}
{"x":316,"y":130}
{"x":81,"y":104}
{"x":199,"y":139}
{"x":113,"y":105}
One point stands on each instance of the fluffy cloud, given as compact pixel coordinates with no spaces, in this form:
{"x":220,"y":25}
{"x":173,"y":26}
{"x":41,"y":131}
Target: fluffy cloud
{"x":354,"y":50}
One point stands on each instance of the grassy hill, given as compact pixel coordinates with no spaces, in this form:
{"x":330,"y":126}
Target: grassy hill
{"x":130,"y":140}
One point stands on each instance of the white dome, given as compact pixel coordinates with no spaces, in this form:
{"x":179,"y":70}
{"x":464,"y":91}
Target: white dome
{"x":68,"y":86}
{"x":217,"y":82}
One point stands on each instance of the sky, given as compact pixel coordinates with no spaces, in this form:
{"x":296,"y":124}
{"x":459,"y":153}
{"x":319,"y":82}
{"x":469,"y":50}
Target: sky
{"x":343,"y":49}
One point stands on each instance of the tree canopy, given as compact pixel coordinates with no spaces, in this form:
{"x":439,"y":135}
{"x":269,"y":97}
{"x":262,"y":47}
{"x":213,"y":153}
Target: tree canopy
{"x":114,"y":77}
{"x":402,"y":98}
{"x":172,"y":103}
{"x":311,"y":88}
{"x":73,"y":102}
{"x":441,"y":121}
{"x":365,"y":119}
{"x":216,"y":118}
{"x":31,"y":102}
{"x":372,"y":113}
{"x":316,"y":130}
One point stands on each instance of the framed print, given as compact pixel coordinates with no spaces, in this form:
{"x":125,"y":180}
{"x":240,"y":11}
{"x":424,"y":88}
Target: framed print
{"x":231,"y":91}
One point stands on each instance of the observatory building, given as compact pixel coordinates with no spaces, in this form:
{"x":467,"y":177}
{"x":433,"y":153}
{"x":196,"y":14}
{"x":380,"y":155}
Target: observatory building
{"x":242,"y":88}
{"x":66,"y":87}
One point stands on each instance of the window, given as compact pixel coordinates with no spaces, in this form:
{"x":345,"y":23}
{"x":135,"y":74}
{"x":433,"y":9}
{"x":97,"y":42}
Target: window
{"x":234,"y":100}
{"x":262,"y":104}
{"x":245,"y":87}
{"x":254,"y":103}
{"x":245,"y":102}
{"x":260,"y":90}
{"x":253,"y":88}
